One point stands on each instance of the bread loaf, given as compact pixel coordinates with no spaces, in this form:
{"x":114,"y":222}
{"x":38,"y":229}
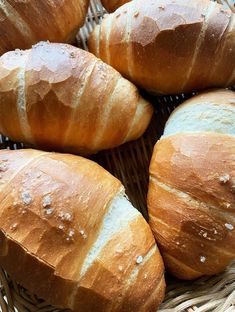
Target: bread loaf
{"x":23,"y":23}
{"x":191,"y":197}
{"x":169,"y":46}
{"x":59,"y":97}
{"x":69,"y":235}
{"x":112,"y":5}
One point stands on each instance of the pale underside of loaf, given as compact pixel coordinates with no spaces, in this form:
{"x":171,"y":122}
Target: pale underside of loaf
{"x":74,"y":234}
{"x":192,"y":183}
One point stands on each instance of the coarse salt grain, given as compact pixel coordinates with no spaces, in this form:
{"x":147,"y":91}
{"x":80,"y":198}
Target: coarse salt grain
{"x":139,"y":259}
{"x":229,"y":226}
{"x":202,"y":259}
{"x":83,"y":234}
{"x":65,"y":216}
{"x":227,"y":205}
{"x":120,"y":268}
{"x":3,"y":166}
{"x":224,"y":179}
{"x":70,"y":235}
{"x":48,"y":211}
{"x":46,"y":201}
{"x":14,"y":226}
{"x":26,"y":198}
{"x":61,"y":227}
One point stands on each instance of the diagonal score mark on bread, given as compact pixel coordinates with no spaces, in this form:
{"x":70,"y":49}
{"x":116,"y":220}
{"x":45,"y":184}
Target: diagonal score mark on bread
{"x":134,"y":274}
{"x":199,"y":42}
{"x":127,"y":37}
{"x":107,"y":111}
{"x":232,"y":26}
{"x":192,"y":203}
{"x":21,"y":99}
{"x":77,"y":98}
{"x":16,"y":19}
{"x":227,"y":34}
{"x":113,"y":213}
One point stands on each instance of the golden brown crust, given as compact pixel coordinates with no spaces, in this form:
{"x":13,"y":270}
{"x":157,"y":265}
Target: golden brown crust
{"x":138,"y":40}
{"x":59,"y":226}
{"x":190,"y":207}
{"x":64,"y":98}
{"x":24,"y":23}
{"x":112,"y":5}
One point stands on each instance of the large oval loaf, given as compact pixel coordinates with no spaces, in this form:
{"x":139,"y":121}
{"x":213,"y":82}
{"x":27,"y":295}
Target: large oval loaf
{"x":169,"y":46}
{"x":23,"y":23}
{"x":59,"y":97}
{"x":70,"y":236}
{"x":191,"y":197}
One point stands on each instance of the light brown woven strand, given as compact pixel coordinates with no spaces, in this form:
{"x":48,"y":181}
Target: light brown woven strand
{"x":228,"y":4}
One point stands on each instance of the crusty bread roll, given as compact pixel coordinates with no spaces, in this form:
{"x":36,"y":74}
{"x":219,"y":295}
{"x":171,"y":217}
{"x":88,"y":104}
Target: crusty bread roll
{"x":169,"y":46}
{"x":112,"y":5}
{"x":23,"y":23}
{"x":59,"y":97}
{"x":70,"y":236}
{"x":191,"y":198}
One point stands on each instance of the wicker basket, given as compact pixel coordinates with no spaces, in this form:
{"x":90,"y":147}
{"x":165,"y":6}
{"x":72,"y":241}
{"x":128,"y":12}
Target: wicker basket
{"x":130,"y":164}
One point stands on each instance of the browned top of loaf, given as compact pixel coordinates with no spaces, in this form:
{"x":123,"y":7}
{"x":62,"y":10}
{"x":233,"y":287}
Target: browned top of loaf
{"x":23,"y":23}
{"x":54,"y":209}
{"x":169,"y":46}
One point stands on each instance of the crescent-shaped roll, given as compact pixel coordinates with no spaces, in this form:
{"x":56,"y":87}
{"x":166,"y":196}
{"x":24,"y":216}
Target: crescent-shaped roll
{"x":23,"y":23}
{"x":69,"y":235}
{"x":59,"y":97}
{"x":112,"y":5}
{"x":169,"y":46}
{"x":191,"y":198}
